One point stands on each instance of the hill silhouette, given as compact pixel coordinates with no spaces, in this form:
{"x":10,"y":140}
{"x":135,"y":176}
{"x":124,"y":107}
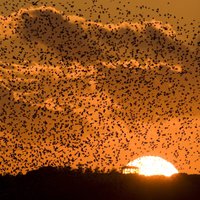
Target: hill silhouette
{"x":65,"y":183}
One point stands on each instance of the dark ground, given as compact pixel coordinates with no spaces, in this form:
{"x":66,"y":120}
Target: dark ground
{"x":52,"y":183}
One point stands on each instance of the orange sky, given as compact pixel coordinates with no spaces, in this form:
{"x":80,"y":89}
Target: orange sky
{"x":95,"y":90}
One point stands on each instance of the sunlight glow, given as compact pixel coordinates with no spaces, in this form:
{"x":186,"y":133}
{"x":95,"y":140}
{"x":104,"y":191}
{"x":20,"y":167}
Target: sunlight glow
{"x":153,"y":165}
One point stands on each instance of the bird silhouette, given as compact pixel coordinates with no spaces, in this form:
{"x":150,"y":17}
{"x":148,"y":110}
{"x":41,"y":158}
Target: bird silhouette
{"x":79,"y":91}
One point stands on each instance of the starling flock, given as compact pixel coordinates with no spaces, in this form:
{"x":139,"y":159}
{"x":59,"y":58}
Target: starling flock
{"x":79,"y":92}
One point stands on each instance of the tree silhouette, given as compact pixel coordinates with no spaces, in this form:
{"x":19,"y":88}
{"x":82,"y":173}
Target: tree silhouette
{"x":80,"y":183}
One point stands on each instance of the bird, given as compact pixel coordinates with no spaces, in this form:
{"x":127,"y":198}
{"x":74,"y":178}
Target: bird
{"x":35,"y":3}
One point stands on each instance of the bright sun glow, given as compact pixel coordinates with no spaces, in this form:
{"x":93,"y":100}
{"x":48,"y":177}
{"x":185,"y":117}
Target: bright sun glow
{"x":153,"y":165}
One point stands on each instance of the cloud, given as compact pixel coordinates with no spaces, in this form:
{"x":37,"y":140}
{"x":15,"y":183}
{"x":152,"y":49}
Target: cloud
{"x":79,"y":39}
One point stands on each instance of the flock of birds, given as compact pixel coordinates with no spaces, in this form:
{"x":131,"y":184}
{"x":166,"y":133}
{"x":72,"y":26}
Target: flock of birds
{"x":79,"y":92}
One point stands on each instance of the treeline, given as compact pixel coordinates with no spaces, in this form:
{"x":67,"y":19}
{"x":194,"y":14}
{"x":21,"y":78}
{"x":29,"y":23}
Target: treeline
{"x":65,"y":183}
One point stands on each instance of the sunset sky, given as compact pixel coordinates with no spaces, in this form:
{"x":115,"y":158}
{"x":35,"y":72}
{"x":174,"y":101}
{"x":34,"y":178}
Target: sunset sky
{"x":99,"y":83}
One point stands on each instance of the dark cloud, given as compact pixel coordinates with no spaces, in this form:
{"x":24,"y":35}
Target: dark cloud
{"x":78,"y":39}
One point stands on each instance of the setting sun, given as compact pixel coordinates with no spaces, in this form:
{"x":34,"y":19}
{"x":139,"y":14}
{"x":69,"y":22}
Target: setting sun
{"x":153,"y":165}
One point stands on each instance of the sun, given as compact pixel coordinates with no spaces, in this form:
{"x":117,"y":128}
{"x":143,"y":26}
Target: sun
{"x":153,"y":165}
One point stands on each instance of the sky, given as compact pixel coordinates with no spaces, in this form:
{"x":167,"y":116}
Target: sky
{"x":99,"y":83}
